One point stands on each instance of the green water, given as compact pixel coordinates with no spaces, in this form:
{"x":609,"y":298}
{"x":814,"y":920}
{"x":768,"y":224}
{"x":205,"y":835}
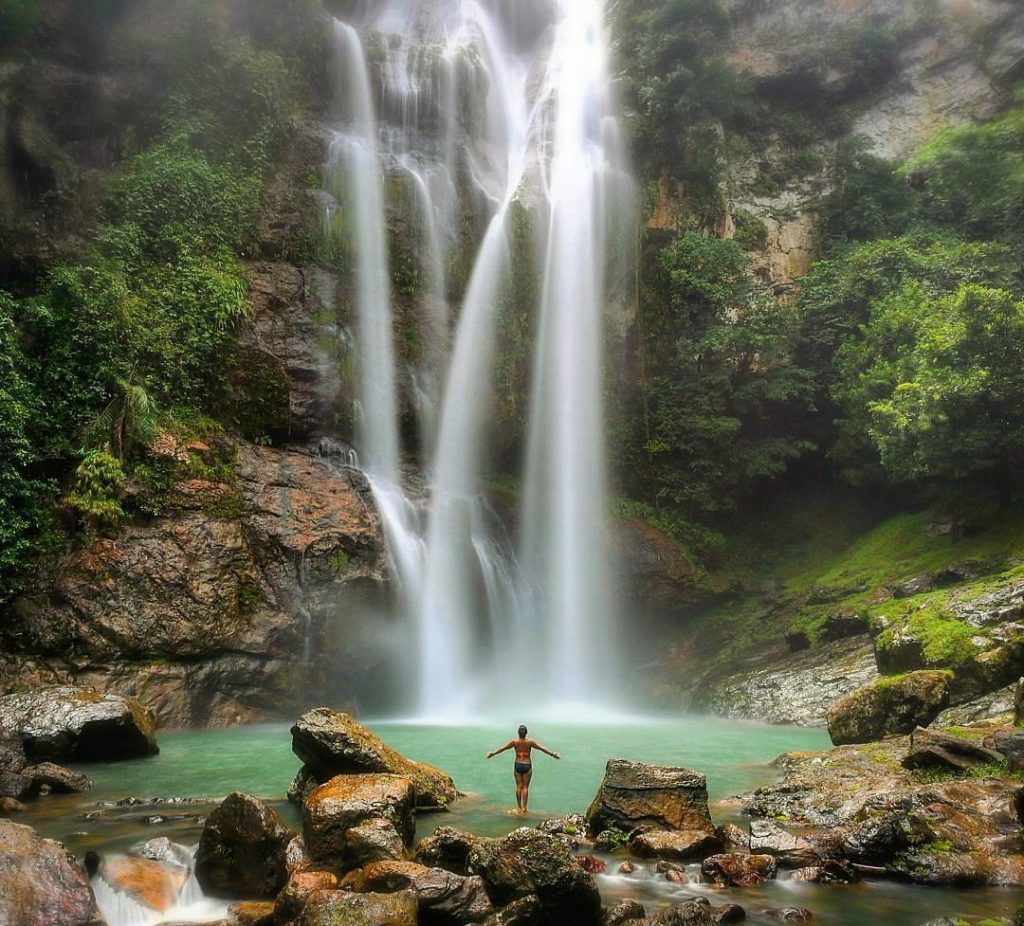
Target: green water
{"x":211,"y":763}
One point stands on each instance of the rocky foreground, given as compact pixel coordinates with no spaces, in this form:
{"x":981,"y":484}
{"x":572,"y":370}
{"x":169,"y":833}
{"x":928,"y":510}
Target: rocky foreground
{"x":933,"y":808}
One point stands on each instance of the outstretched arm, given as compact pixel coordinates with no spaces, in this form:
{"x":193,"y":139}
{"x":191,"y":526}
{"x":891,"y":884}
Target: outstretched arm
{"x":536,"y":745}
{"x":508,"y":745}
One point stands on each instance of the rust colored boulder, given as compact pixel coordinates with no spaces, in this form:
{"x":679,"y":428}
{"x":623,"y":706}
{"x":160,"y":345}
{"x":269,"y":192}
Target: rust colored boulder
{"x":331,"y":743}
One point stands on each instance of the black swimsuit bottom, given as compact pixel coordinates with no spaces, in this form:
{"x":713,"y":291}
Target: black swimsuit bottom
{"x":523,"y":767}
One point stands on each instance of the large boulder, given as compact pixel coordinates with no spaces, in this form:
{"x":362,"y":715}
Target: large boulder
{"x":442,"y":895}
{"x":40,"y":882}
{"x":634,"y":794}
{"x":296,"y":893}
{"x":346,"y":803}
{"x":891,"y":705}
{"x":243,"y":849}
{"x":448,"y":848}
{"x":12,"y":762}
{"x":338,"y":908}
{"x":80,"y":724}
{"x":331,"y":743}
{"x":530,"y":862}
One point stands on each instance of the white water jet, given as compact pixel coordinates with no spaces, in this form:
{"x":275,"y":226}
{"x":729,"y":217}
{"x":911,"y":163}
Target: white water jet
{"x":484,"y":106}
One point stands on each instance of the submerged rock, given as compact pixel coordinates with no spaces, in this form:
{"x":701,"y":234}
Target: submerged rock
{"x":890,"y":705}
{"x":243,"y":849}
{"x":79,"y":724}
{"x":331,"y":743}
{"x":40,"y":882}
{"x":348,"y":802}
{"x":635,"y":794}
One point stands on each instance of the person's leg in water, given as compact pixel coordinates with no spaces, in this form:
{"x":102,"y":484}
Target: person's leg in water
{"x":520,"y":789}
{"x":526,"y":789}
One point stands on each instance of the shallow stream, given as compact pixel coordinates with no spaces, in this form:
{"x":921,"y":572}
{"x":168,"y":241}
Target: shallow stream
{"x":734,"y":756}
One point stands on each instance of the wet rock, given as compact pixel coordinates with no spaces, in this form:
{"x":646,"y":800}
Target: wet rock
{"x":989,"y":707}
{"x":658,"y":575}
{"x":730,"y":913}
{"x":349,"y":801}
{"x":890,"y":705}
{"x":79,"y":724}
{"x":295,"y":855}
{"x":623,"y":912}
{"x":336,"y":908}
{"x":828,"y":871}
{"x":733,"y":837}
{"x":152,"y":884}
{"x":1018,"y":703}
{"x":526,"y":911}
{"x":844,"y":624}
{"x":448,"y":848}
{"x":689,"y":913}
{"x":797,"y":689}
{"x":740,"y":870}
{"x":675,"y":844}
{"x":302,"y":786}
{"x":375,"y":840}
{"x":40,"y":882}
{"x":9,"y":805}
{"x":529,"y":862}
{"x":790,"y":914}
{"x":590,"y":864}
{"x":301,"y":886}
{"x":934,"y":749}
{"x":332,"y":743}
{"x":12,"y":762}
{"x":161,"y":849}
{"x":636,"y":794}
{"x":1011,"y":747}
{"x":768,"y":838}
{"x":442,"y":895}
{"x":626,"y":868}
{"x":610,"y":840}
{"x":677,"y":876}
{"x":48,"y":778}
{"x":252,"y":914}
{"x":570,"y":829}
{"x":242,"y":849}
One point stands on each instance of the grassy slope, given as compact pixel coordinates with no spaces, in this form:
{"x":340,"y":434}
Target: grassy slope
{"x":823,"y":553}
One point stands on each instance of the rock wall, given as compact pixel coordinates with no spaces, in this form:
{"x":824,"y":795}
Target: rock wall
{"x":218,"y":613}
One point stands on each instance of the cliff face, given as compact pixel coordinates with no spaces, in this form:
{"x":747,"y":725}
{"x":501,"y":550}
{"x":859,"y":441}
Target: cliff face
{"x":895,"y":74}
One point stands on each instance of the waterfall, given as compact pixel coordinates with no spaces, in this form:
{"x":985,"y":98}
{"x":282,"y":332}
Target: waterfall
{"x":455,"y":116}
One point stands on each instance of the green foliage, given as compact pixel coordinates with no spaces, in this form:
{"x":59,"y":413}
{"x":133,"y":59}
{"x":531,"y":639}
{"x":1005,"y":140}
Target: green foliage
{"x":935,"y":383}
{"x":972,"y":178}
{"x":23,"y":512}
{"x":18,"y":18}
{"x":681,"y":85}
{"x":722,"y":393}
{"x":96,"y":492}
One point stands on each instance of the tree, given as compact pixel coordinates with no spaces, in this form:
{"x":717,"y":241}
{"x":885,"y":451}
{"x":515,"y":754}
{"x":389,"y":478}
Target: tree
{"x":936,"y":384}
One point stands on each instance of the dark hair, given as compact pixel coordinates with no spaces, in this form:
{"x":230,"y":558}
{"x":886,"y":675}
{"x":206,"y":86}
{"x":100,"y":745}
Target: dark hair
{"x":522,"y":729}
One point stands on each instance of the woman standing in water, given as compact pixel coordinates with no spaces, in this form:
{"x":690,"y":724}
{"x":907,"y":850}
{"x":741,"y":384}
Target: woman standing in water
{"x":523,"y":769}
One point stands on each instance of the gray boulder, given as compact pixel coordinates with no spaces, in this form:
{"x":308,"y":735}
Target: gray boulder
{"x":768,"y":838}
{"x":79,"y":724}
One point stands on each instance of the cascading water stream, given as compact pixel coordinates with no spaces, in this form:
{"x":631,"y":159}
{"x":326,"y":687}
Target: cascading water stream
{"x":485,"y":107}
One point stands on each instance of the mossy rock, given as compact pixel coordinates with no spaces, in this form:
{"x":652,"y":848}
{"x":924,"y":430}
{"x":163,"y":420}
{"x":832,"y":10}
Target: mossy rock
{"x":892,"y":705}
